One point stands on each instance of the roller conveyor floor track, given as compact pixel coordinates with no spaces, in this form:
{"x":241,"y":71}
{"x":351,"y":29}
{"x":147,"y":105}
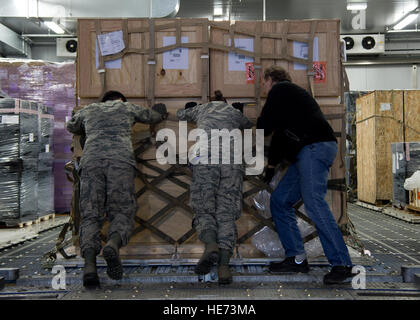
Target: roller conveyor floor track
{"x":392,"y":243}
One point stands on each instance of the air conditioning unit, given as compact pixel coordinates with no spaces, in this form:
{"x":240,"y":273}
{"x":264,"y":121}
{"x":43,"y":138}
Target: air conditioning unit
{"x":67,"y":47}
{"x":364,"y":43}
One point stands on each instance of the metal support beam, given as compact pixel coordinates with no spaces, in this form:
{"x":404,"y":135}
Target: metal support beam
{"x":13,"y":43}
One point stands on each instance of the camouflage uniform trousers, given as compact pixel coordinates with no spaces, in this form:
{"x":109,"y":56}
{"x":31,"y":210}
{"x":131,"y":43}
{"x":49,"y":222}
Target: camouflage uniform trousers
{"x":106,"y":191}
{"x":216,"y":198}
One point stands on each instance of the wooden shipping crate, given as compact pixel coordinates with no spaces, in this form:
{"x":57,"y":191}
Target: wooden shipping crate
{"x":411,"y":115}
{"x":285,"y":43}
{"x":379,"y":122}
{"x":129,"y":79}
{"x":161,"y":58}
{"x":177,"y":72}
{"x":335,"y":115}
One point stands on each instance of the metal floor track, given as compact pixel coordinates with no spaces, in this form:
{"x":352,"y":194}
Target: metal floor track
{"x":392,"y":243}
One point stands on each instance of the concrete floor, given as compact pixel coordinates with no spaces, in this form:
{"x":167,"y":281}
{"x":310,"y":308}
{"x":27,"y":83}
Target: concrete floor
{"x":392,"y":243}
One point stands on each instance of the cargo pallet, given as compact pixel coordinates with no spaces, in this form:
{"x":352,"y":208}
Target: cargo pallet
{"x":26,"y":221}
{"x":405,"y":215}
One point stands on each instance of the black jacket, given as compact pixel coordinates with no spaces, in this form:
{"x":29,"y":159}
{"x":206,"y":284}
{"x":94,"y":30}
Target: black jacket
{"x":296,"y":120}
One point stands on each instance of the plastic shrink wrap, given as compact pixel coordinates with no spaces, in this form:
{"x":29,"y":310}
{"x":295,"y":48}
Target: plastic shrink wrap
{"x":267,"y":240}
{"x":46,"y":160}
{"x":53,"y":85}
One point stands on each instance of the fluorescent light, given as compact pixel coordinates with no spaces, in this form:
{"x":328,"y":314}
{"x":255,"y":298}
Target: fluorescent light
{"x":218,"y":11}
{"x":406,"y":21}
{"x":54,"y":27}
{"x":356,"y":6}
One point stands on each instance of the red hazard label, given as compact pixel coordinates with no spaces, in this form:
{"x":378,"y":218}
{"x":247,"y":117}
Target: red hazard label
{"x":250,"y":74}
{"x":320,"y":69}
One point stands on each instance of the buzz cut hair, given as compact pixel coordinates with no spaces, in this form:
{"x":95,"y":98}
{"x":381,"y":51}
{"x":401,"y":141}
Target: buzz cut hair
{"x":277,"y":74}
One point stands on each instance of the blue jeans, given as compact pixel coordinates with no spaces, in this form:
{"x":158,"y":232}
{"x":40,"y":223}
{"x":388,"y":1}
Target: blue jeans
{"x":307,"y":179}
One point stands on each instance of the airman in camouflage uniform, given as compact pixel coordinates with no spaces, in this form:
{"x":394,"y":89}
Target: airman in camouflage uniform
{"x":216,"y":189}
{"x":107,"y":178}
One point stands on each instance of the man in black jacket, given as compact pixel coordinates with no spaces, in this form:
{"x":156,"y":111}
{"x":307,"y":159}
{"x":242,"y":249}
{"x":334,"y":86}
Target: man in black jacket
{"x":303,"y":139}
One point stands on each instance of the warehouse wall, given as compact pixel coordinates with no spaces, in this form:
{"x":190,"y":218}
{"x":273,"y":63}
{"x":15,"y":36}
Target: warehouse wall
{"x":47,"y":53}
{"x":382,"y":77}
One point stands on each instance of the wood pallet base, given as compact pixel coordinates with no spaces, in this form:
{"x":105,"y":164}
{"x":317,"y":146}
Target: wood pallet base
{"x":405,"y":215}
{"x":369,"y":206}
{"x":27,"y":221}
{"x":47,"y":217}
{"x":409,"y":206}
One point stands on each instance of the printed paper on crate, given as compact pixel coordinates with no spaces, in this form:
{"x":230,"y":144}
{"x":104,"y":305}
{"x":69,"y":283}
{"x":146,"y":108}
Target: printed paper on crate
{"x":177,"y":58}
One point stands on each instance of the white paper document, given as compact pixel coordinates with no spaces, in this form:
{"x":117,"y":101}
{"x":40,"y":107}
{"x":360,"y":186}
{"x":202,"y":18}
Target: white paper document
{"x":113,"y":64}
{"x":111,"y":43}
{"x":236,"y":62}
{"x":300,"y":50}
{"x":177,"y":58}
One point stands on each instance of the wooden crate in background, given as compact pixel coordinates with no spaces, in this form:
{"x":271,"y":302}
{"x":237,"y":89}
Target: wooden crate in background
{"x":379,"y":122}
{"x":411,"y":115}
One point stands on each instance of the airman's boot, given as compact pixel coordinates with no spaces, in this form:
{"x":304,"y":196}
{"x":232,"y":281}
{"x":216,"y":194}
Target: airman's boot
{"x":211,"y":252}
{"x":111,"y":254}
{"x":225,"y":276}
{"x":90,"y":275}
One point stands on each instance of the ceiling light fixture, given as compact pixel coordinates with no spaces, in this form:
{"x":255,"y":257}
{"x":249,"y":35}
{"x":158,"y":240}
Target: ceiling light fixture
{"x":54,"y":27}
{"x":406,"y":20}
{"x":351,"y":6}
{"x":218,"y":11}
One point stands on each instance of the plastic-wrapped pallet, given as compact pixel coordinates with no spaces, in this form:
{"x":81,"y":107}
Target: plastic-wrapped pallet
{"x":53,"y":85}
{"x":18,"y":129}
{"x":46,"y":160}
{"x":18,"y":189}
{"x":19,"y":150}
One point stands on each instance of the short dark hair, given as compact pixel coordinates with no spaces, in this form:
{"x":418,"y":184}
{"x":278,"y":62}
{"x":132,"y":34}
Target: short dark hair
{"x":277,"y":74}
{"x":113,"y":95}
{"x":190,"y":104}
{"x":239,"y":106}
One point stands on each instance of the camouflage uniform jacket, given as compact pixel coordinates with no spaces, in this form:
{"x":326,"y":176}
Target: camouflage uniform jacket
{"x":108,"y":129}
{"x":215,"y":115}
